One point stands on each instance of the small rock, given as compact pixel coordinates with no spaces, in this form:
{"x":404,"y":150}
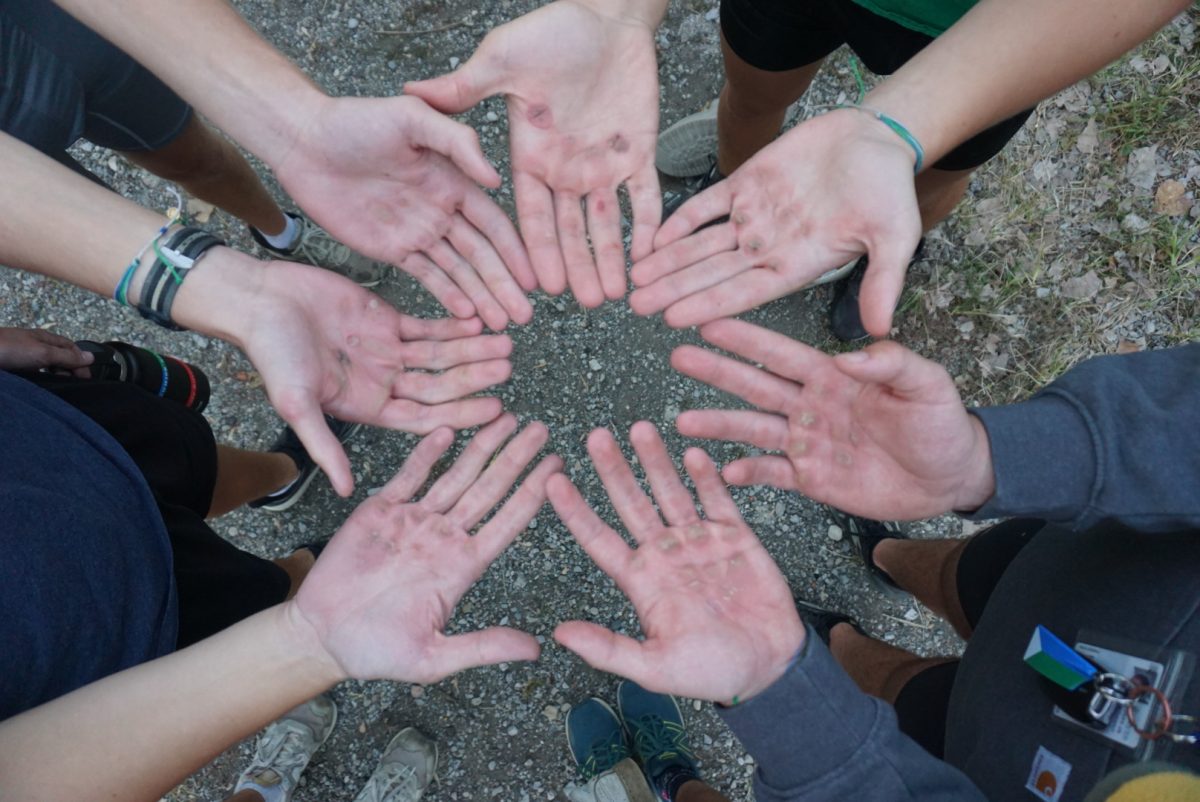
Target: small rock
{"x":1082,"y":287}
{"x":1142,"y":168}
{"x":594,"y":365}
{"x":910,"y":614}
{"x":1170,"y":200}
{"x":835,"y":533}
{"x":1135,"y":224}
{"x":491,"y":116}
{"x":551,"y":712}
{"x":1089,"y":138}
{"x":417,"y":691}
{"x":454,"y":61}
{"x":362,"y":728}
{"x":697,"y":704}
{"x":512,"y":730}
{"x":352,"y":23}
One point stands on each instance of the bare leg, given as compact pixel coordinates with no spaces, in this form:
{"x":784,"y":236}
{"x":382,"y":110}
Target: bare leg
{"x":877,"y":668}
{"x":243,"y":476}
{"x":209,"y":167}
{"x":928,"y":569}
{"x":938,"y":192}
{"x":245,"y":796}
{"x":698,"y":791}
{"x":753,"y":105}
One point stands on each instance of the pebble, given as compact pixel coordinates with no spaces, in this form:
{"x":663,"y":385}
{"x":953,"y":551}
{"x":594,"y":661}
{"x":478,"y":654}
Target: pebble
{"x":454,"y":62}
{"x":697,"y":704}
{"x":491,"y":116}
{"x":835,"y":532}
{"x":911,"y":614}
{"x":551,"y":712}
{"x":594,"y":364}
{"x":417,"y":691}
{"x":352,"y":23}
{"x":512,"y":730}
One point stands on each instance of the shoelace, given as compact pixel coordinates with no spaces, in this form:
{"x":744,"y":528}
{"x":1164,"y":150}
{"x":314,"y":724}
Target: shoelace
{"x":284,"y":751}
{"x":404,"y":781}
{"x":604,"y":755}
{"x":321,"y":248}
{"x":656,"y":739}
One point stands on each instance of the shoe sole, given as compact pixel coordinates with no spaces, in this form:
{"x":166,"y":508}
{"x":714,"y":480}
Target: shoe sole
{"x":567,"y":725}
{"x":832,"y":275}
{"x":684,"y":149}
{"x":291,"y":500}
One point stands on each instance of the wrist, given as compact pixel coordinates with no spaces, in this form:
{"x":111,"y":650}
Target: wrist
{"x":979,"y":483}
{"x":646,"y":13}
{"x":217,"y":297}
{"x":301,"y":638}
{"x":790,"y":651}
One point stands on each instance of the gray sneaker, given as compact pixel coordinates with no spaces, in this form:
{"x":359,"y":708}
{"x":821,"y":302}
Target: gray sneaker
{"x":286,"y":746}
{"x":404,"y":771}
{"x":316,"y":247}
{"x":686,"y":148}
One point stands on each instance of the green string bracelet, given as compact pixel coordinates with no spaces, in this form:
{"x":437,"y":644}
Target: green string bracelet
{"x":897,"y":128}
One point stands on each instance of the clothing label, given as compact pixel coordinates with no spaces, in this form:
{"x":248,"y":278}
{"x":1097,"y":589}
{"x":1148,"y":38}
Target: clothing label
{"x":1048,"y":775}
{"x":1115,"y":725}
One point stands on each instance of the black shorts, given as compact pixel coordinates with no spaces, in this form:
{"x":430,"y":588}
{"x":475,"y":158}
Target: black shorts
{"x":923,"y":702}
{"x":218,"y":584}
{"x":60,"y":81}
{"x":780,"y":35}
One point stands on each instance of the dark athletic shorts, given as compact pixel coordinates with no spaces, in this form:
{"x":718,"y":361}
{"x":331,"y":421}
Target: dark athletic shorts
{"x":173,"y":447}
{"x":923,"y":702}
{"x":59,"y":81}
{"x":780,"y":35}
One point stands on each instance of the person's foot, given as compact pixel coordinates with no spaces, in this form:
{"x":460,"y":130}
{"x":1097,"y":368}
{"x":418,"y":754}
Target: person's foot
{"x":823,"y":621}
{"x":315,"y":246}
{"x":660,"y":744}
{"x":866,"y":534}
{"x":285,"y":748}
{"x":595,"y":737}
{"x":844,"y":318}
{"x":405,"y":770}
{"x":686,"y":147}
{"x":673,"y":200}
{"x":289,"y":444}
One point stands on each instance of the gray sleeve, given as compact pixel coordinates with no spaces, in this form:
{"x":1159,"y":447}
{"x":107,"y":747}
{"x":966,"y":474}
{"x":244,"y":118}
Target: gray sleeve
{"x":815,"y":736}
{"x":1116,"y":438}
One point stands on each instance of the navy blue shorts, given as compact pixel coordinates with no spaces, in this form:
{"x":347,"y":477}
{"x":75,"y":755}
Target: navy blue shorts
{"x":781,"y":35}
{"x":60,"y":81}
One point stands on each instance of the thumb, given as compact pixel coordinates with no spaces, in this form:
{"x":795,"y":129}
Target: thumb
{"x":484,"y":647}
{"x":322,"y":445}
{"x":457,"y":142}
{"x":884,"y":281}
{"x":891,"y":364}
{"x":455,"y":91}
{"x":604,"y":649}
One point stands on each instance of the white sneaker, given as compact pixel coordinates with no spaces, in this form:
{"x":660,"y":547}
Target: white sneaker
{"x":404,"y":771}
{"x":285,"y":748}
{"x":686,"y":148}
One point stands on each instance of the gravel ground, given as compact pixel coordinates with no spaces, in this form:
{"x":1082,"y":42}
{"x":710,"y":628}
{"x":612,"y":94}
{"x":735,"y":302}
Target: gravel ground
{"x":500,"y":728}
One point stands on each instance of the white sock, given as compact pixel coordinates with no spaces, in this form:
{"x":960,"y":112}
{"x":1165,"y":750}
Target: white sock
{"x":285,"y":239}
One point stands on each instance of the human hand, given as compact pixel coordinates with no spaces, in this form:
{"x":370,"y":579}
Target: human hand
{"x":880,"y":433}
{"x":379,"y":598}
{"x":34,"y":349}
{"x":829,"y":190}
{"x":395,"y":180}
{"x":581,"y":85}
{"x":701,"y":587}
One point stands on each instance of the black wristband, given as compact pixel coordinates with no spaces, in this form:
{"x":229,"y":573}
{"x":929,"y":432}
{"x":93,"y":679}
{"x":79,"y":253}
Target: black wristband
{"x":173,"y":261}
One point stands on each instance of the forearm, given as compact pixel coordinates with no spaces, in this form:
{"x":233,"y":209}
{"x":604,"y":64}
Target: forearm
{"x":136,"y":734}
{"x":206,"y":52}
{"x":1006,"y":55}
{"x":1115,"y":437}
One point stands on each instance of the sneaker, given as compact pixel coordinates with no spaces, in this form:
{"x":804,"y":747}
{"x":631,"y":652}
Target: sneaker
{"x":285,"y":748}
{"x":844,"y":318}
{"x":288,"y":443}
{"x":660,"y":744}
{"x":595,"y":737}
{"x":316,"y":247}
{"x":685,"y":148}
{"x":673,"y":200}
{"x":866,"y":534}
{"x":405,"y":770}
{"x":823,"y":621}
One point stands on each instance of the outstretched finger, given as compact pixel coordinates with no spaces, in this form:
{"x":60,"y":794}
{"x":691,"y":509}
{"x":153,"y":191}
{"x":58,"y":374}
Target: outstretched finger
{"x":731,"y":297}
{"x":417,"y":328}
{"x":882,"y":285}
{"x":759,"y":429}
{"x":645,"y":200}
{"x":602,"y":544}
{"x":493,"y":224}
{"x":535,"y":213}
{"x":511,"y":519}
{"x":628,"y":499}
{"x":501,"y":474}
{"x":439,"y":285}
{"x":451,"y":485}
{"x":691,"y":250}
{"x":412,"y":474}
{"x":673,"y":499}
{"x":904,"y":372}
{"x":482,"y":648}
{"x":761,"y":388}
{"x":779,"y":353}
{"x":464,"y":275}
{"x":771,"y":470}
{"x":457,"y":142}
{"x":457,"y":382}
{"x":604,"y":228}
{"x":572,"y":236}
{"x":412,"y":416}
{"x":714,"y":496}
{"x":603,"y":649}
{"x":709,"y":273}
{"x":440,"y":355}
{"x":714,"y":202}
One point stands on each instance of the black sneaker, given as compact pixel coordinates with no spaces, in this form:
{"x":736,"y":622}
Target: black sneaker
{"x":660,"y":743}
{"x":673,"y":200}
{"x":823,"y":621}
{"x":866,"y":534}
{"x":288,"y":443}
{"x":844,"y":318}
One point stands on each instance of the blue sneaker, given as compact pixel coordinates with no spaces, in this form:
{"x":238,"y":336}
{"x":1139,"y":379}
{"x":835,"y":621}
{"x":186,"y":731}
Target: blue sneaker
{"x":660,"y":743}
{"x":595,"y":737}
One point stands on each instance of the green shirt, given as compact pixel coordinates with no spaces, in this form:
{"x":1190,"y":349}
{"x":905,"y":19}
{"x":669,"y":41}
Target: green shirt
{"x":930,"y":17}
